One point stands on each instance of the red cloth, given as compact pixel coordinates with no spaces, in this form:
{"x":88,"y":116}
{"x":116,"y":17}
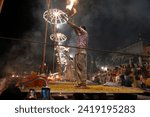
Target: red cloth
{"x":1,"y":4}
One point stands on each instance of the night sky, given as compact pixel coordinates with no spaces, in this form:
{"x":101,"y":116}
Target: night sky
{"x":110,"y":24}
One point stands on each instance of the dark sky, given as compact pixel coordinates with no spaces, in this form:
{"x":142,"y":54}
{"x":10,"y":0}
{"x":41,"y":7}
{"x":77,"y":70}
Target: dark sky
{"x":110,"y":23}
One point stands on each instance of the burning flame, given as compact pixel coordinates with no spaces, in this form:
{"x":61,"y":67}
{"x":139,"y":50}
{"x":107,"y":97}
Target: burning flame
{"x":70,"y":6}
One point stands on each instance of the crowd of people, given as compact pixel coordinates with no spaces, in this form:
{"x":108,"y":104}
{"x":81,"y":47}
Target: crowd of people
{"x":133,"y":75}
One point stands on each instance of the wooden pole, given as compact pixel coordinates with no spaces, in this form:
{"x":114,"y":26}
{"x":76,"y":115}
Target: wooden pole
{"x":45,"y":41}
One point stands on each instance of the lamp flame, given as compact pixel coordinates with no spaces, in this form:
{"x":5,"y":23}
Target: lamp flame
{"x":70,"y":5}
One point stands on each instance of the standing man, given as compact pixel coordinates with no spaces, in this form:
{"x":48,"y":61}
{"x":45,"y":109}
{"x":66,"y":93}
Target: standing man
{"x":81,"y":55}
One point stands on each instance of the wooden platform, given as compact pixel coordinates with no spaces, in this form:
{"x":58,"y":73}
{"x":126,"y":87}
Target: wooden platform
{"x":68,"y":87}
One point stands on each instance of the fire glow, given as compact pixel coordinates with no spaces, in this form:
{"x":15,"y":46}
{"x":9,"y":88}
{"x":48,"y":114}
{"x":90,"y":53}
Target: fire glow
{"x":70,"y":6}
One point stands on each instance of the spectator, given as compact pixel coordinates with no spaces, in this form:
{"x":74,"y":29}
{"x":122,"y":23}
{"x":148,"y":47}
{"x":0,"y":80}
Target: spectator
{"x":12,"y":92}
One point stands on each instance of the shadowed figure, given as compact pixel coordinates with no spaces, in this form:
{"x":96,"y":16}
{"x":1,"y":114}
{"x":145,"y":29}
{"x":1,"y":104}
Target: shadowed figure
{"x":11,"y":91}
